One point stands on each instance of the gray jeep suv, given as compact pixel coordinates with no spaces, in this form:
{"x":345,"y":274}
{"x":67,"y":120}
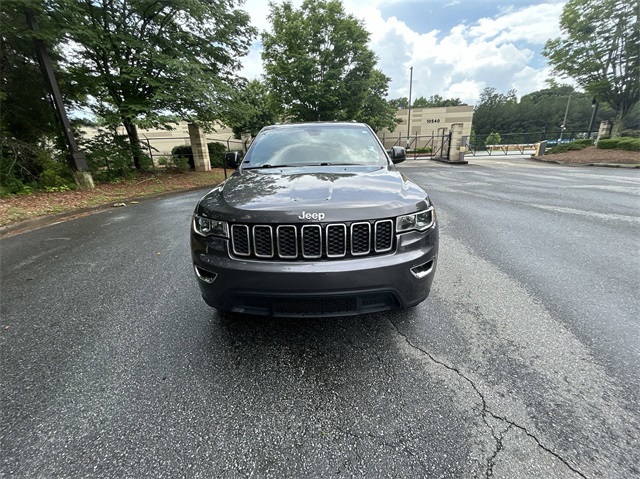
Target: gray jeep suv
{"x":316,"y":221}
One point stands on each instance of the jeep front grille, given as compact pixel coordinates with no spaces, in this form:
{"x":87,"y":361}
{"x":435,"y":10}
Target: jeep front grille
{"x":312,"y":241}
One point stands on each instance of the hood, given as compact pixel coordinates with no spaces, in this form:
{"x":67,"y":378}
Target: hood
{"x":344,"y":193}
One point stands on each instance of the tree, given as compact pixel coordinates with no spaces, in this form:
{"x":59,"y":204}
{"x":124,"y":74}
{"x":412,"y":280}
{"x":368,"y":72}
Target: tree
{"x":436,"y":101}
{"x":251,"y":108}
{"x":495,"y":111}
{"x":24,"y":97}
{"x":318,"y":65}
{"x":376,"y":111}
{"x":147,"y":63}
{"x":399,"y":103}
{"x":600,"y":51}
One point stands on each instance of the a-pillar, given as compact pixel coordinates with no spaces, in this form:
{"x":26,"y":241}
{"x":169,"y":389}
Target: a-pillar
{"x":199,"y":148}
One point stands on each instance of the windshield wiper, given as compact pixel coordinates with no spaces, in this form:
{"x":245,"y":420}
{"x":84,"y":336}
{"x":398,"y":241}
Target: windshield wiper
{"x":267,"y":165}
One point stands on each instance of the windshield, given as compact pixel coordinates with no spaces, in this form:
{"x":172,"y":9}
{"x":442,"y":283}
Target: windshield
{"x":315,"y":145}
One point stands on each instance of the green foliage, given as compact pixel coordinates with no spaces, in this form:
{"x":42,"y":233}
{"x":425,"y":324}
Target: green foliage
{"x":620,"y":143}
{"x":251,"y":108}
{"x":628,"y":144}
{"x":599,"y":49}
{"x":27,"y":119}
{"x":178,"y":164}
{"x":145,"y":63}
{"x":572,"y":146}
{"x":493,"y":139}
{"x":318,"y":65}
{"x":182,"y":150}
{"x":23,"y":92}
{"x":25,"y":168}
{"x":536,"y":111}
{"x":216,"y":154}
{"x":376,"y":111}
{"x":399,"y":103}
{"x":109,"y":156}
{"x":584,"y":142}
{"x":608,"y":143}
{"x":436,"y":101}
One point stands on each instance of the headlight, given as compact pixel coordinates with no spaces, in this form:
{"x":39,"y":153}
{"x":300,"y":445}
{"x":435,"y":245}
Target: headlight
{"x":208,"y":227}
{"x":417,"y":221}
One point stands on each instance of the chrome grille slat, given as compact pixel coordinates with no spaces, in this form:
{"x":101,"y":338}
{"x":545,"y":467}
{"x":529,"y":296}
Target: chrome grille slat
{"x":263,"y":241}
{"x":312,"y":241}
{"x":240,"y":243}
{"x":336,"y":240}
{"x":287,"y":241}
{"x":383,"y":236}
{"x":360,"y":238}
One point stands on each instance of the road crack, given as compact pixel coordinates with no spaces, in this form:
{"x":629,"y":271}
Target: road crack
{"x":498,"y":436}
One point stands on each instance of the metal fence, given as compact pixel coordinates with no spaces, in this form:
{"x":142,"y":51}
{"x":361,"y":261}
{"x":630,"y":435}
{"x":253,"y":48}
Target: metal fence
{"x":434,"y":145}
{"x":158,"y":147}
{"x":520,"y":142}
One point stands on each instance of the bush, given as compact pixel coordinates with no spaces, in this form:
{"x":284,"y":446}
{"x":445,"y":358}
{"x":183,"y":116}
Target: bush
{"x":182,"y":150}
{"x":179,"y":164}
{"x":564,"y":147}
{"x":216,"y":154}
{"x":110,"y":157}
{"x":608,"y":143}
{"x":584,"y":142}
{"x":493,"y":139}
{"x":422,"y":150}
{"x":628,"y":144}
{"x":25,"y":168}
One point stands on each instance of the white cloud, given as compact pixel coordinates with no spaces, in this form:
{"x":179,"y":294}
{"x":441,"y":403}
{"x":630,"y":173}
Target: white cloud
{"x":497,"y":52}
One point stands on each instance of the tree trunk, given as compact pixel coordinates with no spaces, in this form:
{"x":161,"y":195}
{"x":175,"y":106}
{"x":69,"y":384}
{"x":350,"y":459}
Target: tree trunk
{"x":132,"y":133}
{"x":617,"y":124}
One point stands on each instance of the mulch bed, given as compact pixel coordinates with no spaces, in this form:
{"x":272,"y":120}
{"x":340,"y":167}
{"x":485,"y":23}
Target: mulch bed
{"x":592,"y":155}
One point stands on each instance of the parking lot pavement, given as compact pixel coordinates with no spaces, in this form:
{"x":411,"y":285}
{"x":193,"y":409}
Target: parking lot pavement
{"x":522,"y":363}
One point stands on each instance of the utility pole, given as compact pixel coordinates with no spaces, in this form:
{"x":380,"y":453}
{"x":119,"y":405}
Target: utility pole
{"x":409,"y":114}
{"x":594,"y":106}
{"x":566,"y":112}
{"x":77,"y":159}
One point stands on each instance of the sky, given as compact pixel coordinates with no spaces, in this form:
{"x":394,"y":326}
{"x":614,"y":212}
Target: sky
{"x":456,"y":47}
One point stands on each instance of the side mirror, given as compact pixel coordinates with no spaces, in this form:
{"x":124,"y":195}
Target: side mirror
{"x":398,"y":154}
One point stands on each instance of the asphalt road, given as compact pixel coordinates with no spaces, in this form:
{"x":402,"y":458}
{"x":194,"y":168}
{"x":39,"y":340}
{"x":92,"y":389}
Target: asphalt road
{"x":522,"y":363}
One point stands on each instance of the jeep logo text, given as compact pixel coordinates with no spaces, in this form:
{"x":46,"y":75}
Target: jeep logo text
{"x":311,"y":216}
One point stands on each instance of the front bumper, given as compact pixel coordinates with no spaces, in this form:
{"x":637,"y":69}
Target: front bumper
{"x":337,"y":287}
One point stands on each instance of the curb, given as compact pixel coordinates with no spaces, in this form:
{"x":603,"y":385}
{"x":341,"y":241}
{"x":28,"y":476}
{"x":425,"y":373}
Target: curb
{"x":566,"y":163}
{"x":48,"y":220}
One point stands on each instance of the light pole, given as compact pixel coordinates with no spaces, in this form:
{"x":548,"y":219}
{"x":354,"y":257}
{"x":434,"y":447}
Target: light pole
{"x":594,"y":107}
{"x":564,"y":122}
{"x":409,"y":114}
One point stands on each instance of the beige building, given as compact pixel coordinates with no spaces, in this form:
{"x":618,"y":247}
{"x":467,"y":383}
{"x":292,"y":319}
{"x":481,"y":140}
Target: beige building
{"x":162,"y":141}
{"x":428,"y":122}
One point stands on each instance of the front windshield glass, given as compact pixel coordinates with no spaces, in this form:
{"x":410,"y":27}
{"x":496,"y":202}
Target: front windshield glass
{"x":315,"y":145}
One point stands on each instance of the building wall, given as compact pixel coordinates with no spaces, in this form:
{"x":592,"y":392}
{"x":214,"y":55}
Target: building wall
{"x":163,"y":141}
{"x":427,"y":121}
